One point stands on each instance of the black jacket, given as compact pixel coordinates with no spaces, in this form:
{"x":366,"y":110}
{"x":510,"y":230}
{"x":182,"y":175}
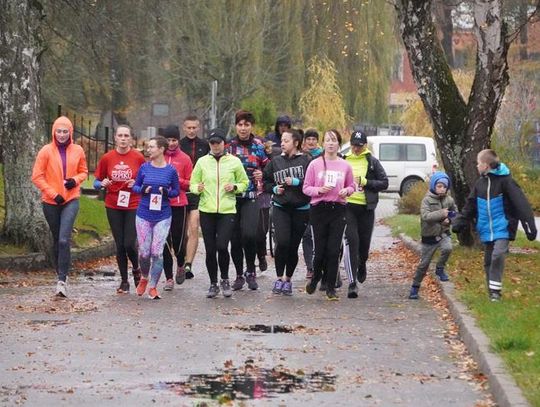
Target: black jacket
{"x":194,"y":148}
{"x":377,"y":180}
{"x":281,"y":167}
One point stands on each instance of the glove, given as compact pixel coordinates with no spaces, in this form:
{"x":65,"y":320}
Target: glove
{"x":165,"y":192}
{"x":531,"y":235}
{"x":70,"y":183}
{"x":59,"y":199}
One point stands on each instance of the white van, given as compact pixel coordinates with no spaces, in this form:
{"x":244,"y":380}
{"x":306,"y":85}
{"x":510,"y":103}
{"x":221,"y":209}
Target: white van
{"x":406,"y":159}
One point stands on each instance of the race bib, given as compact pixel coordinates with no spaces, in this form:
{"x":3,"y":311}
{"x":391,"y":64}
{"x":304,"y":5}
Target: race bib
{"x":155,"y":202}
{"x":123,"y":199}
{"x":330,"y":179}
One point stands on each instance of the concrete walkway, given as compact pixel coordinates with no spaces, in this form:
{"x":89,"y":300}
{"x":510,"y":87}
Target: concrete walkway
{"x":99,"y":348}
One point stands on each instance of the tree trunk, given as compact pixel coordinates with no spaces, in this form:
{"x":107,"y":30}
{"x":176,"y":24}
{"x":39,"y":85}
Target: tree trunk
{"x":461,"y":129}
{"x":21,"y":128}
{"x":443,"y":15}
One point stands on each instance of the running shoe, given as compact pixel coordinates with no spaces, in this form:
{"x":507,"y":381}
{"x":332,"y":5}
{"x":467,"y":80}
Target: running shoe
{"x":169,"y":285}
{"x":238,"y":283}
{"x":226,"y":288}
{"x":141,"y":287}
{"x":331,"y":295}
{"x":352,"y":291}
{"x":61,"y":289}
{"x":287,"y":288}
{"x":251,"y":279}
{"x":213,"y":291}
{"x":153,"y":294}
{"x":187,"y":269}
{"x":124,"y":288}
{"x":278,"y":286}
{"x":180,"y":275}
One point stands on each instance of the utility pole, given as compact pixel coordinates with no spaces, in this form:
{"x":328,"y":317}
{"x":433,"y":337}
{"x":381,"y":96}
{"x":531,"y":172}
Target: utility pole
{"x":213,"y":109}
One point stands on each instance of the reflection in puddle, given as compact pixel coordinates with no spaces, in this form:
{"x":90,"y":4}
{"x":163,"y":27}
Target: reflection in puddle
{"x":250,"y":382}
{"x":267,"y":329}
{"x":51,"y":322}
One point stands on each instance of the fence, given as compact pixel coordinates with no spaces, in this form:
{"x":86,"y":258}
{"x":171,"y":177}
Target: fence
{"x":95,"y":145}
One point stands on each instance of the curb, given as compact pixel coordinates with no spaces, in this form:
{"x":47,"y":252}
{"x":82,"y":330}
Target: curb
{"x":502,"y":386}
{"x":36,"y":261}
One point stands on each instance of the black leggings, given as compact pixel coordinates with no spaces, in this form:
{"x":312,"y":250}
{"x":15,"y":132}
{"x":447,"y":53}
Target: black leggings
{"x":122,"y":224}
{"x":175,"y":241}
{"x":262,"y":231}
{"x":217,"y":229}
{"x":244,"y":238}
{"x":327,"y":221}
{"x":289,"y":226}
{"x":360,"y":222}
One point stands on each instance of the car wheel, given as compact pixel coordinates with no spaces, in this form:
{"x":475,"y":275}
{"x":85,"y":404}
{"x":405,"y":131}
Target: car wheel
{"x":408,"y":184}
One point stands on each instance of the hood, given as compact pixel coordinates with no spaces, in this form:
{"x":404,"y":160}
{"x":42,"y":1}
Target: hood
{"x":501,"y":170}
{"x":437,"y":177}
{"x":361,"y":155}
{"x":63,"y":121}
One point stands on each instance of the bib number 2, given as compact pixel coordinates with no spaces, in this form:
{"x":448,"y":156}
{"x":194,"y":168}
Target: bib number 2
{"x":123,"y":199}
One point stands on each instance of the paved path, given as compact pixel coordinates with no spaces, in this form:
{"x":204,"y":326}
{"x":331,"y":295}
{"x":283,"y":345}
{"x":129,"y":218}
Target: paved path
{"x":102,"y":349}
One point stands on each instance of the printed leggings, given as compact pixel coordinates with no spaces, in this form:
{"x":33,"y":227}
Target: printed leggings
{"x":151,"y":237}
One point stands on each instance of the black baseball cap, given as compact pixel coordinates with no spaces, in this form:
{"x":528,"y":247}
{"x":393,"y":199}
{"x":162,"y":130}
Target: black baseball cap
{"x":358,"y":138}
{"x":216,"y":135}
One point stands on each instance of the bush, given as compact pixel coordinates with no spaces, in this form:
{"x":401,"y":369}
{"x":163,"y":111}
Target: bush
{"x":411,"y":201}
{"x":529,"y":181}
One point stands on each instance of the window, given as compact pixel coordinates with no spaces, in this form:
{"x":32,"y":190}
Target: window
{"x":389,"y":152}
{"x":416,"y":152}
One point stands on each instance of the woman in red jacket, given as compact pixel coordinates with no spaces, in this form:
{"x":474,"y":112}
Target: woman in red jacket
{"x":116,"y":173}
{"x":59,"y":170}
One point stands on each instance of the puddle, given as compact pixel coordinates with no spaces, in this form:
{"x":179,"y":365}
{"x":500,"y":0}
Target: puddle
{"x":50,"y":322}
{"x":267,"y":329}
{"x":250,"y":382}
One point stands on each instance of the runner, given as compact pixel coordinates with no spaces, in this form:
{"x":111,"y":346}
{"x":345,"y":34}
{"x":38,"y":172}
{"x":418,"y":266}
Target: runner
{"x":329,"y":181}
{"x":175,"y":240}
{"x":195,"y":148}
{"x":157,"y":182}
{"x":217,"y":178}
{"x":284,"y":176}
{"x":115,"y":173}
{"x":250,"y":151}
{"x":58,"y":172}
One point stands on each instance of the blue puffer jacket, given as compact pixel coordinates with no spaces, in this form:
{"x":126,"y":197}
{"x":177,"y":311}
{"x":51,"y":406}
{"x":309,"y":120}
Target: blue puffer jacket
{"x":497,"y":203}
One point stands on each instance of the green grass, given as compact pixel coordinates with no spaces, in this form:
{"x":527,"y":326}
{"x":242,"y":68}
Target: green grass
{"x":91,"y":224}
{"x":512,"y":325}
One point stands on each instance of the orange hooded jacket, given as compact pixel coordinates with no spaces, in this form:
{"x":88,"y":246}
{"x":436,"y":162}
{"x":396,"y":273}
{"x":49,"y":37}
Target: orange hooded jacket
{"x":48,"y":175}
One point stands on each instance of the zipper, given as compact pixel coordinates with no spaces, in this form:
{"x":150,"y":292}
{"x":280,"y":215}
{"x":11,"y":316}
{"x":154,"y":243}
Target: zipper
{"x":490,"y":221}
{"x":217,"y":189}
{"x":193,"y":151}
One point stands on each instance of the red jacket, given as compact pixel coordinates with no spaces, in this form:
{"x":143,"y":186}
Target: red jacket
{"x":48,"y":174}
{"x":181,"y":161}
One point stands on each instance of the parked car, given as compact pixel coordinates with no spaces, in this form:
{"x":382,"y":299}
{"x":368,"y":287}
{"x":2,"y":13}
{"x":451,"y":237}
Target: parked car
{"x":406,"y":159}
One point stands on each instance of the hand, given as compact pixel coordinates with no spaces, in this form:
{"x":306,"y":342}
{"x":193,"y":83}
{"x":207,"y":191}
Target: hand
{"x":446,"y":221}
{"x":324,"y":189}
{"x":344,"y":193}
{"x":445,"y":212}
{"x":200,"y":187}
{"x":147,"y":189}
{"x":288,"y":181}
{"x":257,"y":175}
{"x":280,"y":190}
{"x":70,"y":183}
{"x":106,"y":182}
{"x":59,"y":199}
{"x":164,"y":191}
{"x":228,"y":187}
{"x":129,"y":183}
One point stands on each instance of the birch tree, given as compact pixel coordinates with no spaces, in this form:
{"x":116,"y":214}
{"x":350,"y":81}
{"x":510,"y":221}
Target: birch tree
{"x":21,"y":128}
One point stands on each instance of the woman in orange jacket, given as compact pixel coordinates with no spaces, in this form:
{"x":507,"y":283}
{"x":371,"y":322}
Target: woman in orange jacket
{"x":59,"y":170}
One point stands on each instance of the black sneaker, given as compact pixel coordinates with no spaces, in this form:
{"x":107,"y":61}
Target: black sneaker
{"x":213,"y":291}
{"x":495,"y":296}
{"x":238,"y":283}
{"x":311,"y":286}
{"x":331,"y":295}
{"x":352,"y":291}
{"x":251,"y":280}
{"x":188,"y":272}
{"x":124,"y":288}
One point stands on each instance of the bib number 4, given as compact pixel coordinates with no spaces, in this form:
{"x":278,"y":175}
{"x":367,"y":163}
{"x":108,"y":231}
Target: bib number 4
{"x":155,"y":202}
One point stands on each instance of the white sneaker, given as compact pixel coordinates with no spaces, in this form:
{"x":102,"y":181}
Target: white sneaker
{"x":61,"y":289}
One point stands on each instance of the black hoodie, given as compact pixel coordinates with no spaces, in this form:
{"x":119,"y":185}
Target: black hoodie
{"x":281,"y":167}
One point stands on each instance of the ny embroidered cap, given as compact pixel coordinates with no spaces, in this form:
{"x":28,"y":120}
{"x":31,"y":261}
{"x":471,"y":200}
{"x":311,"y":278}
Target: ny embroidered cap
{"x":358,"y":138}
